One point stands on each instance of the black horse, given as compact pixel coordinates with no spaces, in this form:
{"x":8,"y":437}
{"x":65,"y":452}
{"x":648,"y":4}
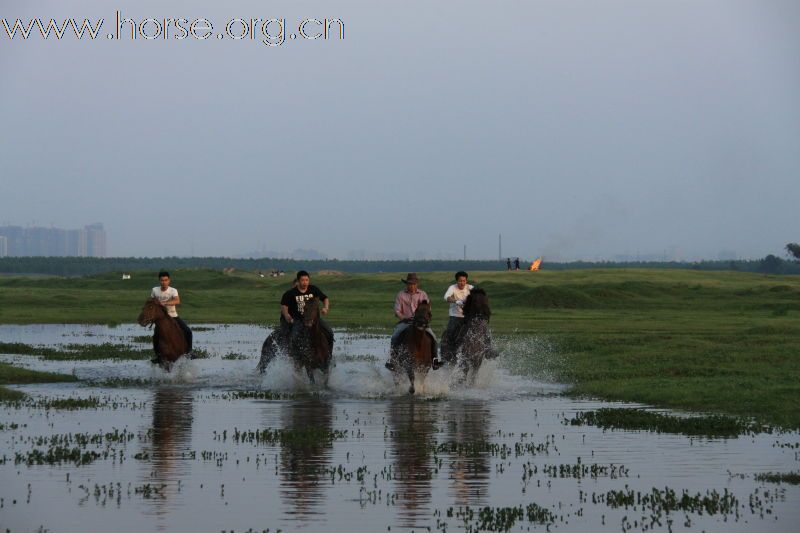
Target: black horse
{"x":309,"y":346}
{"x":473,"y":341}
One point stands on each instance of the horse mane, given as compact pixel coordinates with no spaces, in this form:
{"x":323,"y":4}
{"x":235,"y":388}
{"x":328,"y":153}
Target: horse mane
{"x":314,"y":304}
{"x":418,"y":312}
{"x":157,"y":304}
{"x":477,"y":305}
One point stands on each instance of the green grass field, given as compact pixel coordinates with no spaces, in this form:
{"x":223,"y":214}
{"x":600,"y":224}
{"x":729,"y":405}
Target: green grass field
{"x":706,"y":341}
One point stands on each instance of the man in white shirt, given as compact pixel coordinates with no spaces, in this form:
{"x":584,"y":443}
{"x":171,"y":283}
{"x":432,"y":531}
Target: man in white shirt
{"x":168,"y":297}
{"x":455,"y":295}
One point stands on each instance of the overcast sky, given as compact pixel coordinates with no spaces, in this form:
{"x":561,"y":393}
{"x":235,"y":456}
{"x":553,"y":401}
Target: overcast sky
{"x":576,"y":129}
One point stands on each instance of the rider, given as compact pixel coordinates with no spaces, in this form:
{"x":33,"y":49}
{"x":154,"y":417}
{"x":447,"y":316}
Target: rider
{"x":456,"y":295}
{"x":293,"y":303}
{"x":168,"y":297}
{"x":405,"y":305}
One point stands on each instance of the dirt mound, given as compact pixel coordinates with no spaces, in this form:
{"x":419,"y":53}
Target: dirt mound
{"x":330,"y":273}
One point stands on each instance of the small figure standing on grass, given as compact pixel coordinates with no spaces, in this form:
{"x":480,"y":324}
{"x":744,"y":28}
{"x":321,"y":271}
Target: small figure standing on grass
{"x":168,"y":297}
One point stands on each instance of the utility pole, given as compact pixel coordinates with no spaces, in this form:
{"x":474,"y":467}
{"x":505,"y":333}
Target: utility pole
{"x":500,"y":247}
{"x":465,"y":252}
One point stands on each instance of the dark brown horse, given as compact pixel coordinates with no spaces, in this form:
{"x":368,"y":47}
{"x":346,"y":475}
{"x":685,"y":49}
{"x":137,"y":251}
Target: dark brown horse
{"x":169,"y":338}
{"x":310,"y":347}
{"x":474,"y":340}
{"x":416,"y":349}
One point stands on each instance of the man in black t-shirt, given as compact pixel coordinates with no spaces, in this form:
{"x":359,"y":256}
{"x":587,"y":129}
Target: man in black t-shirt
{"x":294,"y":300}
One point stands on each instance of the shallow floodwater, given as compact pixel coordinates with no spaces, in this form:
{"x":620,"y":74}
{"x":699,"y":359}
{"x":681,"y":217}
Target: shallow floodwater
{"x":213,"y":446}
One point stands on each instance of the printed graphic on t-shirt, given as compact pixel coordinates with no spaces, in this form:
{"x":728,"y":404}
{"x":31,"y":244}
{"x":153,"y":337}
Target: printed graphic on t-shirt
{"x":301,"y":302}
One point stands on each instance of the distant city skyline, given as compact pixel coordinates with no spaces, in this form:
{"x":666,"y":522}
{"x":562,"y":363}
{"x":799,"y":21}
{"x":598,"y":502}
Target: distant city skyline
{"x":39,"y":241}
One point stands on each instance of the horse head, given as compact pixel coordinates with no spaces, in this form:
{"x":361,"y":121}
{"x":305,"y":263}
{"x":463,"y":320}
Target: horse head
{"x":422,"y":316}
{"x":151,"y":312}
{"x":477,"y":305}
{"x":311,"y":313}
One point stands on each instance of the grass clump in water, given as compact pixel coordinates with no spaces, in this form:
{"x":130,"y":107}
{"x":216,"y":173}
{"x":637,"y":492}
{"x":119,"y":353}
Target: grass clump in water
{"x":256,"y":395}
{"x":792,"y":478}
{"x":92,"y":402}
{"x":77,"y":352}
{"x":659,"y":501}
{"x":10,"y":374}
{"x":500,"y":518}
{"x":639,"y":419}
{"x":56,"y":455}
{"x":297,"y":437}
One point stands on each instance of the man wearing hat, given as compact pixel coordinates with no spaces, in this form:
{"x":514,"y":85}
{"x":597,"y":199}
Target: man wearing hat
{"x":405,"y":305}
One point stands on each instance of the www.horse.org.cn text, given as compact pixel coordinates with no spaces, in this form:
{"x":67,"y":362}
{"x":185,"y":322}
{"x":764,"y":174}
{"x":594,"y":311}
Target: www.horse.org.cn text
{"x":267,"y":31}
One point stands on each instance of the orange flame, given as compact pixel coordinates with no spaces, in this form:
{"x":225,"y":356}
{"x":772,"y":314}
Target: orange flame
{"x":535,"y":264}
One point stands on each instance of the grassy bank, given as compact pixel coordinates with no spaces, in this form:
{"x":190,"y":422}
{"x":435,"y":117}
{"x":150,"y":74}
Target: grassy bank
{"x":716,"y":341}
{"x":10,"y":374}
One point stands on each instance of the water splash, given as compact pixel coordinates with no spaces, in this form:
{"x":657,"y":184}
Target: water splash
{"x":358,"y":370}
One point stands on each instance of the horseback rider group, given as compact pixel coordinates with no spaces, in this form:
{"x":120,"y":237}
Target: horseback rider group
{"x":294,"y":300}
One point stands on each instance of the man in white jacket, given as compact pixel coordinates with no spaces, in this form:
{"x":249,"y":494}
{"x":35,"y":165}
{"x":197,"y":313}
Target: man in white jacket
{"x":456,"y":295}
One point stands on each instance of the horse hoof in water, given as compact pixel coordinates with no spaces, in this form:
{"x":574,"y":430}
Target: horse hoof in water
{"x":411,"y":389}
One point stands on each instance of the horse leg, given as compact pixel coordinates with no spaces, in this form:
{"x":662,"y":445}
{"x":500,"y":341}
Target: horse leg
{"x":411,"y":379}
{"x":310,"y":372}
{"x":268,"y":352}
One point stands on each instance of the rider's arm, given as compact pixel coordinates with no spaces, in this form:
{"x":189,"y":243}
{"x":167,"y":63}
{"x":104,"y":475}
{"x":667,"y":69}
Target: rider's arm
{"x":326,"y":303}
{"x":450,"y":296}
{"x":397,"y":308}
{"x":173,"y":301}
{"x":286,"y":315}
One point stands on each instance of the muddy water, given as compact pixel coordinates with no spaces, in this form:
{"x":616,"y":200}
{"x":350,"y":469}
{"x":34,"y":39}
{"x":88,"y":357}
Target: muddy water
{"x":207,"y":448}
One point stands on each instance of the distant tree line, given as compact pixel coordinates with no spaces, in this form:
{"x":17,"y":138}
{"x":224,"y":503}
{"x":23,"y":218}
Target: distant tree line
{"x":85,"y":266}
{"x":793,"y":249}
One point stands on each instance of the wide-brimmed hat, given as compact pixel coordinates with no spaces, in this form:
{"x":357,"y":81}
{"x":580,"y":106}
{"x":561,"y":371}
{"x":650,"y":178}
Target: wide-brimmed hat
{"x":411,"y":278}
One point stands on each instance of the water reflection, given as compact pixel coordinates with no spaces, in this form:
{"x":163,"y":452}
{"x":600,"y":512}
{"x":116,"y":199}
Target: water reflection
{"x":170,"y":440}
{"x":413,"y":429}
{"x":468,"y":434}
{"x":304,"y":460}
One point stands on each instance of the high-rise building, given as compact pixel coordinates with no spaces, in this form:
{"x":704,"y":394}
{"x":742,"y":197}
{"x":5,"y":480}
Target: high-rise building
{"x":77,"y":243}
{"x":96,"y":240}
{"x":16,"y":239}
{"x":38,"y":241}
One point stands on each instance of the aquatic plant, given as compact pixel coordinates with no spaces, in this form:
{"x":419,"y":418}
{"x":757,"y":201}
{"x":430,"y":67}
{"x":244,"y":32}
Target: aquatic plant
{"x":793,"y":478}
{"x":304,"y":436}
{"x":500,"y":518}
{"x":640,"y":419}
